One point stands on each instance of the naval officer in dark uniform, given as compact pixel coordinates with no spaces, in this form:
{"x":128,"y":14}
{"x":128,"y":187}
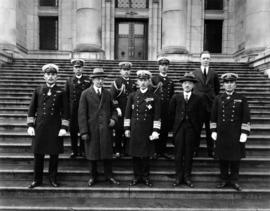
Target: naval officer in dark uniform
{"x":164,"y":88}
{"x":230,"y":126}
{"x":47,"y":122}
{"x":186,"y":117}
{"x":142,"y":126}
{"x":74,"y":87}
{"x":120,"y":89}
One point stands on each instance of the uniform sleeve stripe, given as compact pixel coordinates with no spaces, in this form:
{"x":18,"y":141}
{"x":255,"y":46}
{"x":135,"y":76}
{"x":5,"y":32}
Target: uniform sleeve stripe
{"x":213,"y":125}
{"x":245,"y":126}
{"x":65,"y":122}
{"x":126,"y":122}
{"x":157,"y":124}
{"x":30,"y":120}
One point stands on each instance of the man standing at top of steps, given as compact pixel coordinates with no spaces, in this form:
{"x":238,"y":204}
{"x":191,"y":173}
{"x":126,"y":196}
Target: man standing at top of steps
{"x":208,"y":87}
{"x":47,"y":122}
{"x":97,"y":116}
{"x":186,"y":117}
{"x":164,"y":88}
{"x":230,"y":126}
{"x":74,"y":87}
{"x":142,"y":126}
{"x":120,"y":90}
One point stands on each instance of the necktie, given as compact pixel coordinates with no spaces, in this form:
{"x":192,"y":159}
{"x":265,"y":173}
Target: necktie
{"x":204,"y":72}
{"x":98,"y":92}
{"x":186,"y":98}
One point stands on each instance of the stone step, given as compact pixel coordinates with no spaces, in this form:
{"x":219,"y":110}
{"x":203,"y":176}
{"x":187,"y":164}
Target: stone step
{"x":23,"y":159}
{"x":124,"y":175}
{"x":131,"y":204}
{"x":160,"y":190}
{"x":252,"y":149}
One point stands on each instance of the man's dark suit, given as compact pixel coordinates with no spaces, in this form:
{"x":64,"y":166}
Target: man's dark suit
{"x":207,"y":88}
{"x":186,"y":119}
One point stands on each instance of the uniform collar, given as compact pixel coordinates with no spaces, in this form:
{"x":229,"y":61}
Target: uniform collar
{"x":143,"y":90}
{"x":50,"y":86}
{"x":79,"y":77}
{"x":163,"y":75}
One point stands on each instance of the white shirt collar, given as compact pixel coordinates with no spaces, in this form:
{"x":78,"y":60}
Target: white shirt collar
{"x":188,"y":94}
{"x":50,"y":86}
{"x":203,"y":67}
{"x":143,"y":90}
{"x":79,"y":77}
{"x":96,"y":89}
{"x":163,"y":75}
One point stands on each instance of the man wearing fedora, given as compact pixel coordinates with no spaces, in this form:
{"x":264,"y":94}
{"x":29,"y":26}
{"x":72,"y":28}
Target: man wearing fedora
{"x":47,"y":122}
{"x":230,"y":126}
{"x":164,"y":88}
{"x":120,"y":89}
{"x":208,"y":87}
{"x":74,"y":87}
{"x":142,"y":126}
{"x":186,"y":117}
{"x":96,"y":117}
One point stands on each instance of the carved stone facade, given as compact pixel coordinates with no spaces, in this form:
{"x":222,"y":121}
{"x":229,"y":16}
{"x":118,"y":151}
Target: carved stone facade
{"x":87,"y":28}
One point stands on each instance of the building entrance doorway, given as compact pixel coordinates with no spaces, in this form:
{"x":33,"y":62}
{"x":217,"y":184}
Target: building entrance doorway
{"x":131,"y":40}
{"x":213,"y":36}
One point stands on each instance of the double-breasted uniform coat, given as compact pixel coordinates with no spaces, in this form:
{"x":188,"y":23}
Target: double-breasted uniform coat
{"x":48,"y":113}
{"x":164,"y":88}
{"x":120,"y":90}
{"x":230,"y":117}
{"x":142,"y":117}
{"x":74,"y":87}
{"x":207,"y":87}
{"x":94,"y":116}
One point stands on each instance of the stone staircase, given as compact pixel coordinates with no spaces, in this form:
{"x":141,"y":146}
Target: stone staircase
{"x":17,"y":82}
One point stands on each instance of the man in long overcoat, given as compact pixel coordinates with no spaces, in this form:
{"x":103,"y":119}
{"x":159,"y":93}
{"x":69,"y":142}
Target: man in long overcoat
{"x":74,"y":87}
{"x":186,"y":117}
{"x":142,"y":126}
{"x":164,"y":88}
{"x":47,"y":122}
{"x":120,"y":89}
{"x":230,"y":126}
{"x":96,"y":118}
{"x":208,"y":87}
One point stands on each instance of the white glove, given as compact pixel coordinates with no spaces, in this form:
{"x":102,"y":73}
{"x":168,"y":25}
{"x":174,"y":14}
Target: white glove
{"x":155,"y":135}
{"x":214,"y":136}
{"x":119,"y":112}
{"x":112,"y":122}
{"x":127,"y":133}
{"x":62,"y":132}
{"x":243,"y":138}
{"x":31,"y":131}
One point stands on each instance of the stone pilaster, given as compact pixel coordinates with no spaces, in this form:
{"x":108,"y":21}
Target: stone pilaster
{"x":257,"y":26}
{"x":8,"y":34}
{"x":88,"y":29}
{"x":174,"y":24}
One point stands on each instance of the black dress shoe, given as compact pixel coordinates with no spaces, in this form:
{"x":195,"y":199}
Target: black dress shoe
{"x":113,"y":181}
{"x":176,"y":183}
{"x":134,"y":182}
{"x":189,"y":183}
{"x":165,"y":156}
{"x":54,"y":183}
{"x":210,"y":154}
{"x":236,"y":186}
{"x":91,"y":182}
{"x":34,"y":184}
{"x":73,"y":155}
{"x":147,"y":182}
{"x":222,"y":185}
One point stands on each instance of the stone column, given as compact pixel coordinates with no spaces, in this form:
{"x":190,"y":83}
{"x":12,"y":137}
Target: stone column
{"x":174,"y":24}
{"x":8,"y":25}
{"x":88,"y":29}
{"x":257,"y":26}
